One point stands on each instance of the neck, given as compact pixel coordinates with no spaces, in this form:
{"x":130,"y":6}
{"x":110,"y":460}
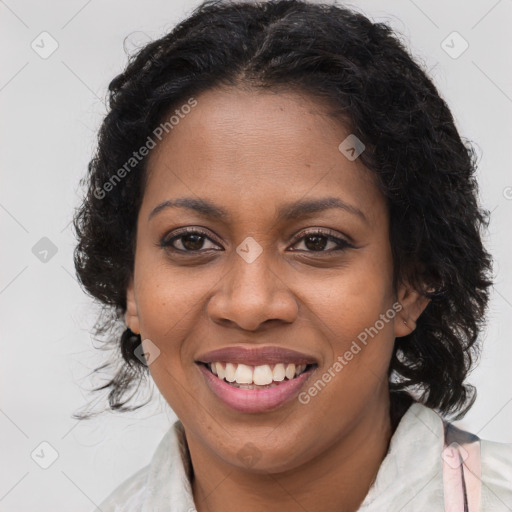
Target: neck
{"x":336,"y":480}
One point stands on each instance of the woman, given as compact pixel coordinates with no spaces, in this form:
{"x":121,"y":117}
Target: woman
{"x":284,"y":218}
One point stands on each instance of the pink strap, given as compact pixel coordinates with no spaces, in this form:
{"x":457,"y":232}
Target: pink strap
{"x":461,"y":471}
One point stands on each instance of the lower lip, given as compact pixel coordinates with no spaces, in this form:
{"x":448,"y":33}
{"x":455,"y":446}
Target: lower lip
{"x":255,"y":400}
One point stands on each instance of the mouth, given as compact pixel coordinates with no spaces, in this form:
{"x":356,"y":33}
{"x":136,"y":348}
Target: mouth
{"x":266,"y":376}
{"x":255,"y":389}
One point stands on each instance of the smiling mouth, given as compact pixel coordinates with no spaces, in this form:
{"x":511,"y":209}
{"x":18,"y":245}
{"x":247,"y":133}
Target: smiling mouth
{"x":265,"y":376}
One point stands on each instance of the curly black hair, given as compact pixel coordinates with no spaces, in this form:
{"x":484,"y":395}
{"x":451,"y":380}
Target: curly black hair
{"x":376,"y":89}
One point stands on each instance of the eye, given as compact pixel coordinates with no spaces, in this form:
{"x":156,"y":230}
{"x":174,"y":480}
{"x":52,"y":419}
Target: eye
{"x":318,"y":241}
{"x":188,"y":240}
{"x":193,"y":240}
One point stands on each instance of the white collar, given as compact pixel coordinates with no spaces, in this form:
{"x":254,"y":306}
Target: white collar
{"x":409,"y":478}
{"x":168,"y":485}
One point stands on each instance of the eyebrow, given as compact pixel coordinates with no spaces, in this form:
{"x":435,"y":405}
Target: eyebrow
{"x":287,"y":211}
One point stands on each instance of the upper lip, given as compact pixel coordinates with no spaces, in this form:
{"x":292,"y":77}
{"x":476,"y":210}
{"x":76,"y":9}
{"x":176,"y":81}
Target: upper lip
{"x":255,"y":356}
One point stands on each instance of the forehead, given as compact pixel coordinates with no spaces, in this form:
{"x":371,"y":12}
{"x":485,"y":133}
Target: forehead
{"x":256,"y":148}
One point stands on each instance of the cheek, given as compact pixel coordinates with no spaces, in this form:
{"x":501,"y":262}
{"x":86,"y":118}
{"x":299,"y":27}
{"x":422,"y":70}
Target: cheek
{"x":359,"y":289}
{"x":354,"y":309}
{"x":166,"y":306}
{"x":355,"y":319}
{"x":166,"y":293}
{"x":164,"y":298}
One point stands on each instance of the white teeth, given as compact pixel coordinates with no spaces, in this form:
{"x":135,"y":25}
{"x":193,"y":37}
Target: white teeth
{"x":290,"y":371}
{"x":261,"y":375}
{"x":221,"y":373}
{"x":300,"y":369}
{"x":230,"y":372}
{"x":279,"y":372}
{"x":243,"y":374}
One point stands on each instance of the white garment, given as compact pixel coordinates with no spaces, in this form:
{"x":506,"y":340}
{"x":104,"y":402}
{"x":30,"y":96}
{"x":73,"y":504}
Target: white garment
{"x":410,"y":478}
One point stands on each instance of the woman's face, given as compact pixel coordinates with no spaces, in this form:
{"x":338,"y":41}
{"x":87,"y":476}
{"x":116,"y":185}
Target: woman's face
{"x":300,"y":259}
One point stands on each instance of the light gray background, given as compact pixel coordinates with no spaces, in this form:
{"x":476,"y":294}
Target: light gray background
{"x":51,"y":109}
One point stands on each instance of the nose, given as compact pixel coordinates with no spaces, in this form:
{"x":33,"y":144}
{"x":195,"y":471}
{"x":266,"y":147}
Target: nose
{"x":252,"y":294}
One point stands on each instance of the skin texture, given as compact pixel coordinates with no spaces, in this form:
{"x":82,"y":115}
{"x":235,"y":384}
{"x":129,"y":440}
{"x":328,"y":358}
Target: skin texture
{"x":249,"y":153}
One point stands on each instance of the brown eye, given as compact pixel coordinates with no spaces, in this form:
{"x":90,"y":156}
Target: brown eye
{"x":192,"y":242}
{"x":316,"y":242}
{"x":188,"y":241}
{"x":319,"y":241}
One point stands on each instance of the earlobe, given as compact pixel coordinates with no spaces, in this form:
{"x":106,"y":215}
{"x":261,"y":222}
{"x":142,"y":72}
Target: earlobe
{"x":413,"y":304}
{"x":131,"y":316}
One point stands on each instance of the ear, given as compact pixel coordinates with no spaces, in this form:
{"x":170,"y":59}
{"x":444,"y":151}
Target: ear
{"x":131,"y":316}
{"x":413,"y":304}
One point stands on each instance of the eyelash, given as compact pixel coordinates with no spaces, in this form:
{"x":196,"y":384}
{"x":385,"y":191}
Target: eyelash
{"x":166,"y":243}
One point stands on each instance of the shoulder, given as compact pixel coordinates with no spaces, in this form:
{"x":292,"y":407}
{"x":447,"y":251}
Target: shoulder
{"x":487,"y":467}
{"x":423,"y":447}
{"x":129,"y":496}
{"x":165,"y":480}
{"x":496,"y":460}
